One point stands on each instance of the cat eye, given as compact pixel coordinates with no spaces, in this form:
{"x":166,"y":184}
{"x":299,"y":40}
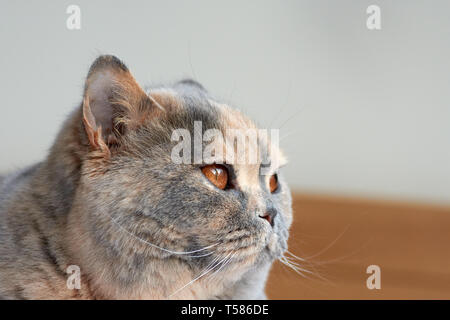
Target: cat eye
{"x":217,"y":174}
{"x":273,"y":183}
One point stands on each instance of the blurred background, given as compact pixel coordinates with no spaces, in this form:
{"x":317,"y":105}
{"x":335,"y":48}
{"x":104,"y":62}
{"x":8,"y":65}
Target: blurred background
{"x":363,"y":114}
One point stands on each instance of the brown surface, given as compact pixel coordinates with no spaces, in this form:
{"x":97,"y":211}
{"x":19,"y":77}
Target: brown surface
{"x":410,"y":243}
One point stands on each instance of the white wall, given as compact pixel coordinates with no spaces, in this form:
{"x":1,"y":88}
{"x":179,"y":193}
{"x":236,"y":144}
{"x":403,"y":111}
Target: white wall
{"x":362,"y":112}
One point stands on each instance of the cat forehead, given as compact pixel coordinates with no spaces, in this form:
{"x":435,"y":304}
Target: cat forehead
{"x":232,"y":118}
{"x":197,"y":103}
{"x":194,"y":101}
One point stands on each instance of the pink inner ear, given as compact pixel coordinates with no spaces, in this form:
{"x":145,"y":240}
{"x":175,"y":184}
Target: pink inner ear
{"x":87,"y":114}
{"x":99,"y":91}
{"x":111,"y":94}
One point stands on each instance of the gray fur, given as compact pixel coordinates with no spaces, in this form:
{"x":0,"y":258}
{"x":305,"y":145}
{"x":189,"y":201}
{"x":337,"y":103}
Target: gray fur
{"x":102,"y":215}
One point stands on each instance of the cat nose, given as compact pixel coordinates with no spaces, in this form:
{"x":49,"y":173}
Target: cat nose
{"x":269,"y":216}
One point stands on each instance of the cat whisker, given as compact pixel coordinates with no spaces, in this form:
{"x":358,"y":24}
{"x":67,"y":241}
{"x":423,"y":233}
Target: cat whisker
{"x":296,"y":257}
{"x":223,"y":265}
{"x":292,"y":267}
{"x":280,"y":110}
{"x":291,"y":263}
{"x":205,"y":271}
{"x":330,"y":245}
{"x":289,"y":134}
{"x":201,"y":255}
{"x":296,"y":268}
{"x":297,"y":261}
{"x":155,"y":102}
{"x":290,"y":118}
{"x":164,"y":249}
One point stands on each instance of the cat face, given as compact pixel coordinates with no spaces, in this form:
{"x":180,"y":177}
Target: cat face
{"x":143,"y":203}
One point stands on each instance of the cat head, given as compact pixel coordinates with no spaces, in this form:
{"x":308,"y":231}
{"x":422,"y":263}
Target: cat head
{"x":147,"y":189}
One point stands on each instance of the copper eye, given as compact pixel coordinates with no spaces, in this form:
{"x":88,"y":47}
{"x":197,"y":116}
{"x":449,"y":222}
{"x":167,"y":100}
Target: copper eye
{"x":217,"y":174}
{"x":273,"y":183}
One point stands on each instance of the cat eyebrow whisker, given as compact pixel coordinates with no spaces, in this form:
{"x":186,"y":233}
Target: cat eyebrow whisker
{"x":155,"y":102}
{"x":163,"y":249}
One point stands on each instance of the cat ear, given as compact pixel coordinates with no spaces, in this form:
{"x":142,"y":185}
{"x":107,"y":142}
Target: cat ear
{"x":191,"y":84}
{"x":113,"y":102}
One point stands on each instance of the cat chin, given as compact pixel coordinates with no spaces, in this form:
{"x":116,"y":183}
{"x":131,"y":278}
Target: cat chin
{"x":275,"y":247}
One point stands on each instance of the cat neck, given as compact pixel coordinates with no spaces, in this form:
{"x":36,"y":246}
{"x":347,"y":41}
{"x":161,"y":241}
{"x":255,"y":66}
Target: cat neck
{"x":56,"y":178}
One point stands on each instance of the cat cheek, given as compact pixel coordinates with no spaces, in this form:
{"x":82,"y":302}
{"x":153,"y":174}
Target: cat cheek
{"x":273,"y":242}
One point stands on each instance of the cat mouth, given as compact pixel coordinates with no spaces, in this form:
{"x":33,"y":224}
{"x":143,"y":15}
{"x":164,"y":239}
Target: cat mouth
{"x":263,"y":242}
{"x":275,"y":246}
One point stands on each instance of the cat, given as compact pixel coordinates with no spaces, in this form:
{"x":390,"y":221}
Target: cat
{"x":109,"y":200}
